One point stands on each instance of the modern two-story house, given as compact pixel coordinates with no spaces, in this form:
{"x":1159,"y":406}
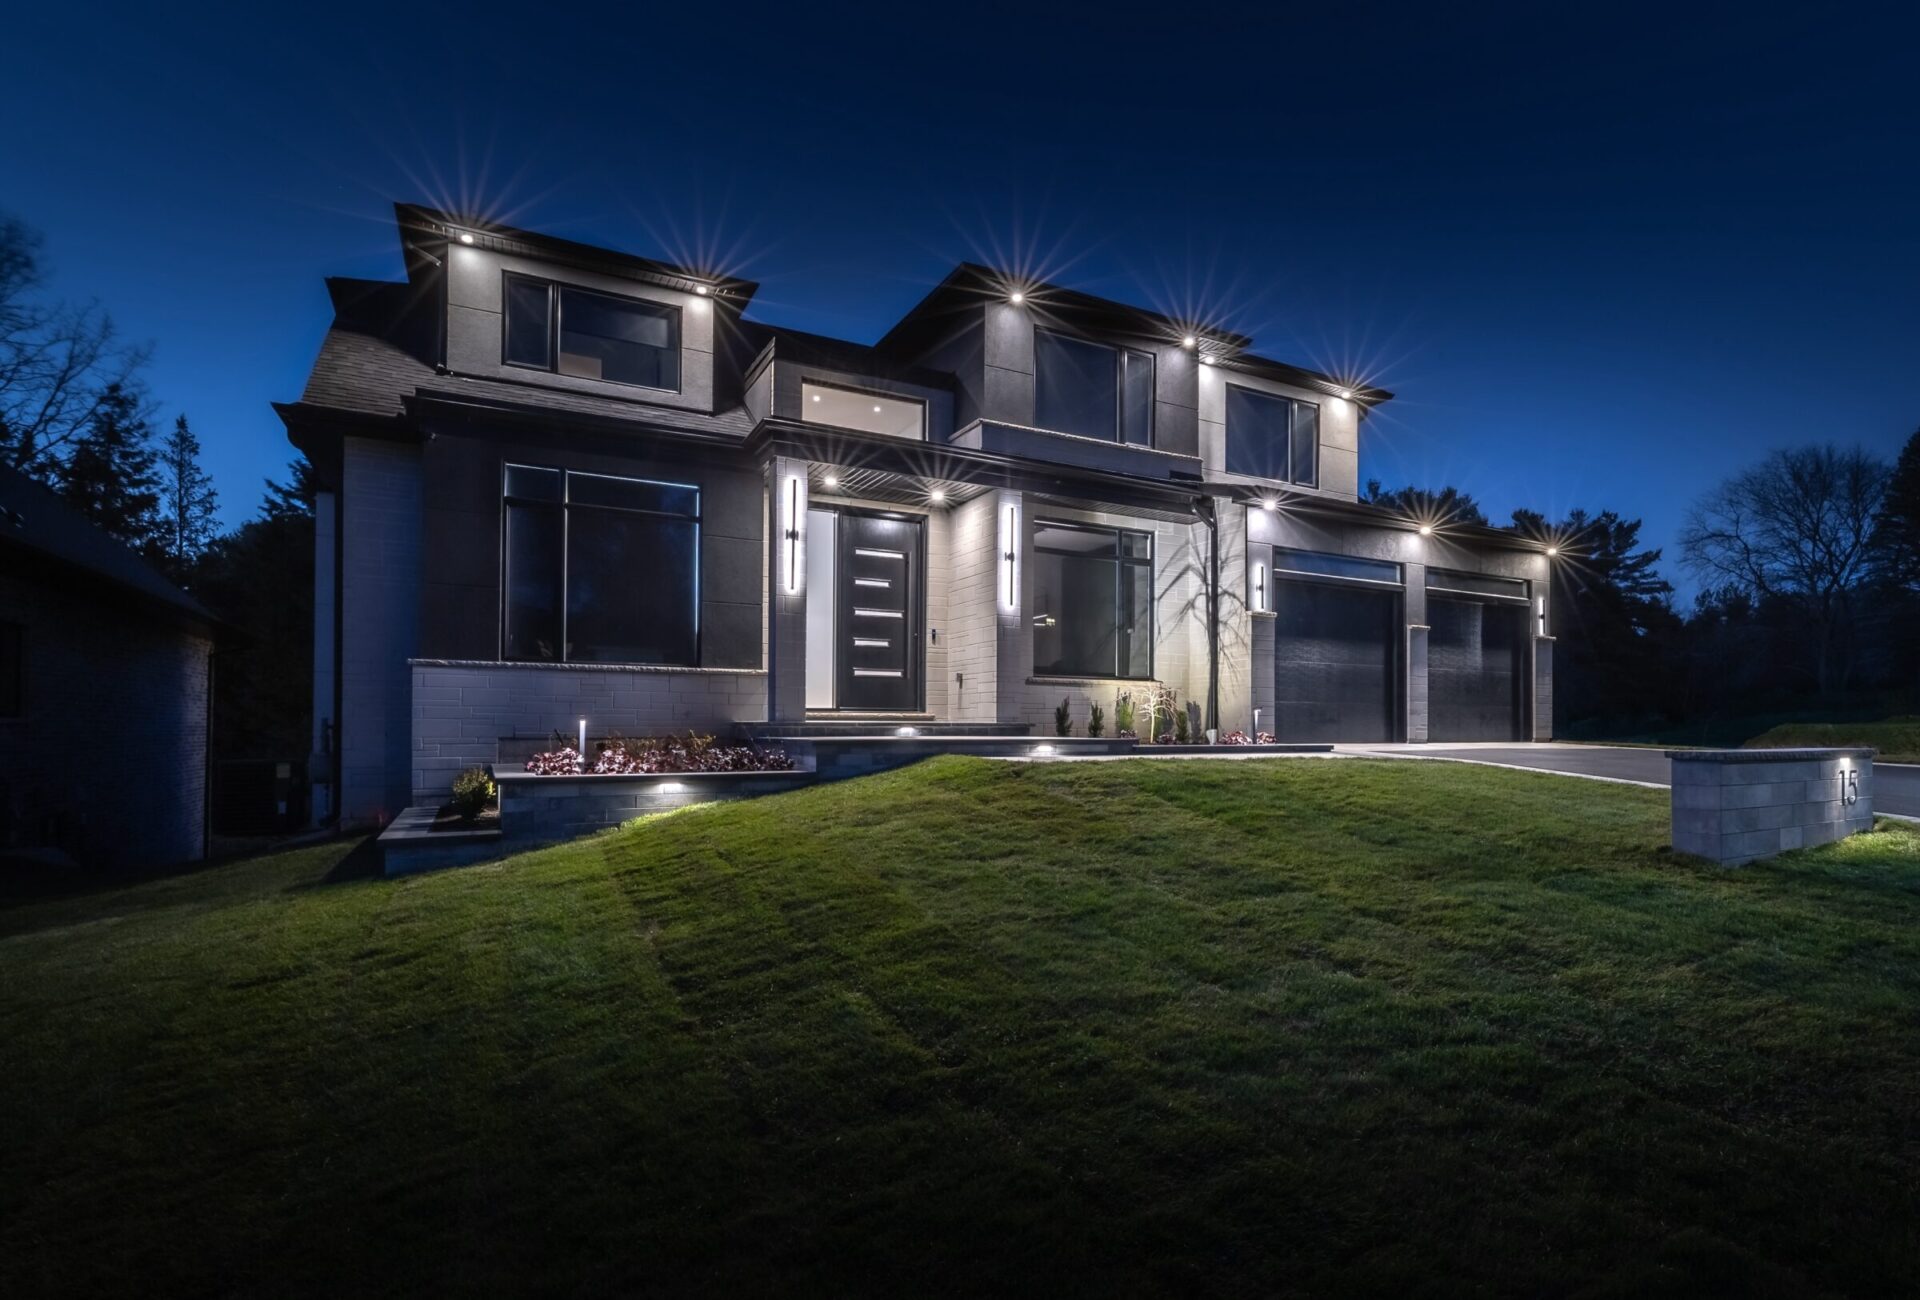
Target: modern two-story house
{"x":568,"y":482}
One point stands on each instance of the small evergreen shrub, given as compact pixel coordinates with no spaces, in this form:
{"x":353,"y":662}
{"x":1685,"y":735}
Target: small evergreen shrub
{"x":473,"y":790}
{"x":1096,"y":721}
{"x":1063,"y":717}
{"x":1123,"y":714}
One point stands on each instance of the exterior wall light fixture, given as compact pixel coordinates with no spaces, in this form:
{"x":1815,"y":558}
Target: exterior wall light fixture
{"x":1552,"y":551}
{"x":466,"y":237}
{"x":1206,"y":361}
{"x":796,"y":504}
{"x":702,"y":290}
{"x":1189,"y":341}
{"x":1010,"y":558}
{"x":1016,"y":297}
{"x":1426,"y":530}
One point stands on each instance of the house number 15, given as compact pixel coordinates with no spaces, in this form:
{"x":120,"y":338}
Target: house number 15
{"x":1849,"y":786}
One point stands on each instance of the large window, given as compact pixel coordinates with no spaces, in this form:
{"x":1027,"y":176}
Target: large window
{"x":1092,"y":390}
{"x":588,"y":335}
{"x":1270,"y":436}
{"x":600,"y":569}
{"x":1092,"y":601}
{"x":850,"y":408}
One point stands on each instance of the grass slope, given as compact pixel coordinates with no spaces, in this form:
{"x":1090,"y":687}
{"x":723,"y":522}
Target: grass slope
{"x":1897,"y":739}
{"x":1343,"y":1027}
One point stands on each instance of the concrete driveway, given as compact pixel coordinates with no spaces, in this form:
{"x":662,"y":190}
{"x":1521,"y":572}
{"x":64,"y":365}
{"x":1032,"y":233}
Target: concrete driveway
{"x":1896,"y":787}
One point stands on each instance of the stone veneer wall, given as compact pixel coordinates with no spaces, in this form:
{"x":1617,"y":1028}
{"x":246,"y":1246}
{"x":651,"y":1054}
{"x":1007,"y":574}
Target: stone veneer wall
{"x":462,"y":710}
{"x":1733,"y":806}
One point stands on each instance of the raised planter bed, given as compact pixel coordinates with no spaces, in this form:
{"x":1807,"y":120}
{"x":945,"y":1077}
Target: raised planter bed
{"x":542,"y":809}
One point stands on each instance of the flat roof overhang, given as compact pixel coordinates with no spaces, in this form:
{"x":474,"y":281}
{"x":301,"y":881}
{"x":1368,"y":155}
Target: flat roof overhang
{"x":1288,"y":502}
{"x":873,"y":457}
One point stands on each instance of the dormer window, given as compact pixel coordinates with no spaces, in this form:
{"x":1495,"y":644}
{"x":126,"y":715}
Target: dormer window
{"x":587,"y":335}
{"x":1092,"y":390}
{"x":1272,"y":436}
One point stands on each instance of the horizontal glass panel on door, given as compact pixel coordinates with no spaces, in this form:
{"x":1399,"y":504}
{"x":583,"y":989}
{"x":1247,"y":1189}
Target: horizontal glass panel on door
{"x":847,"y":408}
{"x":1322,"y":564}
{"x":1478,"y":584}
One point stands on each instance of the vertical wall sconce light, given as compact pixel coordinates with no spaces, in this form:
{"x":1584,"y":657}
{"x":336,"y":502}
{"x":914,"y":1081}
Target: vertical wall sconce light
{"x":1010,"y":557}
{"x":1540,"y":613}
{"x":796,"y":508}
{"x":1260,"y":587}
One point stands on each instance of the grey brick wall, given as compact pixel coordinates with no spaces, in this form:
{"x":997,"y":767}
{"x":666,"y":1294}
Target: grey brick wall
{"x":380,"y":516}
{"x":462,"y":711}
{"x":972,"y":654}
{"x":108,"y":761}
{"x":1735,"y":806}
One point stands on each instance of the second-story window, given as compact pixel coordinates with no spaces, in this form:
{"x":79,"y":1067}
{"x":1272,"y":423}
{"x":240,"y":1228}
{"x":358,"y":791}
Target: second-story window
{"x":1271,"y":436}
{"x":588,"y":335}
{"x":1092,"y":390}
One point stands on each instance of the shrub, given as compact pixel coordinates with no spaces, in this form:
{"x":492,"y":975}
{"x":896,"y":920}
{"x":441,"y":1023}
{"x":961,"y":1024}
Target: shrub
{"x":692,"y":752}
{"x":1063,"y":717}
{"x":1096,"y":721}
{"x":555,"y":762}
{"x":473,"y":790}
{"x":1180,"y":726}
{"x":1123,"y":714}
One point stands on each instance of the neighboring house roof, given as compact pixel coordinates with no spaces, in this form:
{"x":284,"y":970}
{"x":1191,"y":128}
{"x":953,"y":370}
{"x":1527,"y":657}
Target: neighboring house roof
{"x":34,"y":520}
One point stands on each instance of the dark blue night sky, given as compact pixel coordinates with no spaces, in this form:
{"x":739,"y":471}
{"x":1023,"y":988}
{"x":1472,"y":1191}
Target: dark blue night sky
{"x":1605,"y":257}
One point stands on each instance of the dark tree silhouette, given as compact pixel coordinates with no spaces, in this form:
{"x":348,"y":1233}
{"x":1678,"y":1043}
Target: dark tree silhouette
{"x":110,"y":476}
{"x":1447,"y":506}
{"x":1797,"y":530}
{"x":59,"y":362}
{"x":187,"y":501}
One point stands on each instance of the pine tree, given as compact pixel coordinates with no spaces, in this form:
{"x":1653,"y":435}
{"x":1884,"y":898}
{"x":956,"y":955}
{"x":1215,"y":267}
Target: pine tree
{"x":110,"y":476}
{"x":1447,"y":506}
{"x":1898,"y":528}
{"x":187,"y":501}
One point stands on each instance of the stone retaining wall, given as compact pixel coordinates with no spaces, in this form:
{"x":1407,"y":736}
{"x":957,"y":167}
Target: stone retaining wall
{"x":1734,"y":806}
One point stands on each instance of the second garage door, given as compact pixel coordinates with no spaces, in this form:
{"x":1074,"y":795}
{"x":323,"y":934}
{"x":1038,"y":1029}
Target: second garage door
{"x":1476,"y":666}
{"x":1334,"y":661}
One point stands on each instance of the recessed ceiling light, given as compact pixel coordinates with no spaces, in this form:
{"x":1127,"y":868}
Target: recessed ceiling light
{"x":466,"y":238}
{"x":816,"y":397}
{"x":876,"y":410}
{"x":1189,"y":341}
{"x":702,"y":290}
{"x":1426,"y":530}
{"x":1344,"y":393}
{"x":831,"y":481}
{"x":937,"y":495}
{"x":1270,"y":505}
{"x":1553,"y":550}
{"x":1206,"y":361}
{"x":1016,"y":297}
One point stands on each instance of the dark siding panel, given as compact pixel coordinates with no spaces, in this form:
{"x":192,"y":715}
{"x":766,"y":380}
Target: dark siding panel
{"x":1334,"y":662}
{"x":1476,"y":666}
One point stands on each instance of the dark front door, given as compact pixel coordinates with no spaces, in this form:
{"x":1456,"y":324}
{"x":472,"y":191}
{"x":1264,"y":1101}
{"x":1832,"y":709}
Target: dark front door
{"x":1334,"y":662}
{"x":879,"y":630}
{"x":1476,"y":665}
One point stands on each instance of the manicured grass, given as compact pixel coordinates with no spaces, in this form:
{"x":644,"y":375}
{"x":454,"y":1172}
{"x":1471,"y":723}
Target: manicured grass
{"x":1337,"y":1027}
{"x":1897,"y":739}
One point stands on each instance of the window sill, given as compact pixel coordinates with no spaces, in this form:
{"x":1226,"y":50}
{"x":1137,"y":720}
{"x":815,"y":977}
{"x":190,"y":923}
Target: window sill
{"x":548,"y":666}
{"x":1039,"y":680}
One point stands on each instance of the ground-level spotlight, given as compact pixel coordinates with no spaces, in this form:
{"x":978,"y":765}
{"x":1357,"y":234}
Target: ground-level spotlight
{"x":1041,"y":751}
{"x":671,"y":787}
{"x":906,"y":731}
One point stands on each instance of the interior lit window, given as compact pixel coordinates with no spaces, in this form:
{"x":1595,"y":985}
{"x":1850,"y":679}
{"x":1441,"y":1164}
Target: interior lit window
{"x":848,"y":408}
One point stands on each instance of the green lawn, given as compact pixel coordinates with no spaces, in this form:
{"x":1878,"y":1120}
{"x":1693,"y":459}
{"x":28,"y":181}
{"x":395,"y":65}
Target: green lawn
{"x":1897,"y":738}
{"x":1336,"y":1027}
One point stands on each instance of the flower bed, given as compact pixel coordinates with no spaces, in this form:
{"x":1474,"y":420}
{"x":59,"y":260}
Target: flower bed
{"x":660,"y":756}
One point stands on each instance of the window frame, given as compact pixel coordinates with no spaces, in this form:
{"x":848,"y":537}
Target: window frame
{"x":1293,"y":405}
{"x":1121,"y":351}
{"x":1122,"y":563}
{"x":565,"y":505}
{"x":808,"y":381}
{"x":555,"y":324}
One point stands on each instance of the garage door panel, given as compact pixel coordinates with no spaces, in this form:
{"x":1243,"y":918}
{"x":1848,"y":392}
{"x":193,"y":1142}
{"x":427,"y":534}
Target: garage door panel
{"x":1476,"y":670}
{"x":1335,"y":662}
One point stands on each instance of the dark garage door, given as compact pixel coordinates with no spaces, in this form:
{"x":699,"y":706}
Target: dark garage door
{"x":1334,"y":662}
{"x":1476,"y":664}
